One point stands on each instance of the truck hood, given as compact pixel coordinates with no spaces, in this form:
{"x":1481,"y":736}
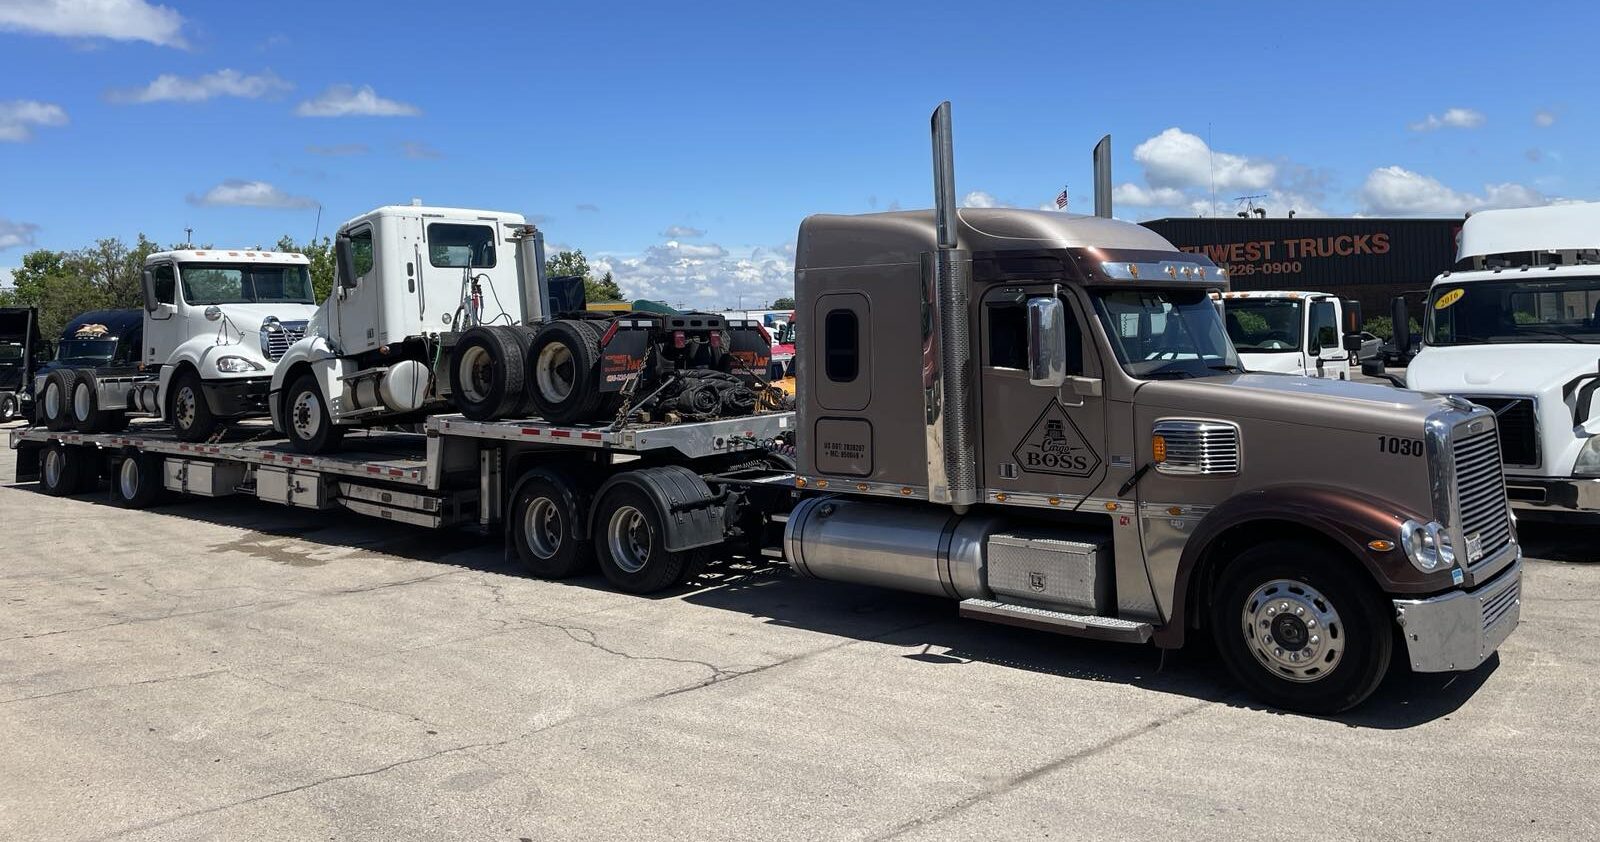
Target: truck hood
{"x":1287,"y":362}
{"x":248,"y":317}
{"x":1292,"y":399}
{"x":1521,"y":369}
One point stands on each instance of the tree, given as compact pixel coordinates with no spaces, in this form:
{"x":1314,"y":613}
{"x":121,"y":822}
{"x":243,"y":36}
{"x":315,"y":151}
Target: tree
{"x":785,"y":303}
{"x":58,"y":284}
{"x":566,"y":263}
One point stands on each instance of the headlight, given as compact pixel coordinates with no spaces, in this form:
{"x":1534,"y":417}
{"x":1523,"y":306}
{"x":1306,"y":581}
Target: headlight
{"x":1588,"y":464}
{"x":238,"y":365}
{"x":1427,"y":545}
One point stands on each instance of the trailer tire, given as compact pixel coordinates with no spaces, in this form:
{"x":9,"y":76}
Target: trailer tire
{"x":187,"y":408}
{"x":1301,"y":628}
{"x":136,"y":483}
{"x":8,"y":408}
{"x":87,"y":414}
{"x":630,"y":543}
{"x":62,"y":470}
{"x":55,"y":400}
{"x":306,"y":419}
{"x":486,"y":371}
{"x":564,"y":371}
{"x":546,"y":527}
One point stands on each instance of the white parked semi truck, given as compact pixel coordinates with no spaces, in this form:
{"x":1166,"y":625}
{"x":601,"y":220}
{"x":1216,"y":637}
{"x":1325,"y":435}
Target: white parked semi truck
{"x":1061,"y":438}
{"x":1315,"y":334}
{"x":1517,"y":329}
{"x":216,"y":324}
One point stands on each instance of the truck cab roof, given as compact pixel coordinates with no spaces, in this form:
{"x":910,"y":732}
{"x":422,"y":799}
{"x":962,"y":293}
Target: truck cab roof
{"x":1571,"y":227}
{"x":1277,"y":294}
{"x":433,"y":211}
{"x":226,"y":256}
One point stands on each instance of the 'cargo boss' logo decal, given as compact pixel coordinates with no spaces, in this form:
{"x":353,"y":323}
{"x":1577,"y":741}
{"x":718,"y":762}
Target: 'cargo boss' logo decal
{"x":1054,"y":445}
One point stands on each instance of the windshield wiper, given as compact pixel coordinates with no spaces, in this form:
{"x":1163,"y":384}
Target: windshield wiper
{"x":1227,"y":367}
{"x":1550,"y":331}
{"x":1468,"y":340}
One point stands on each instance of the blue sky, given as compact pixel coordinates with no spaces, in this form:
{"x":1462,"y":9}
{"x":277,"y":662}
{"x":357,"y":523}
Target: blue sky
{"x":681,"y":144}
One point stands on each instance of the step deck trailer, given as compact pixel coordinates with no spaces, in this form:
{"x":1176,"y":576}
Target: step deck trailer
{"x":458,"y":472}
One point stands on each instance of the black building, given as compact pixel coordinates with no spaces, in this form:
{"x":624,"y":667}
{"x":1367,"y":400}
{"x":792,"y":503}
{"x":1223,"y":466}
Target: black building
{"x":1371,"y":260}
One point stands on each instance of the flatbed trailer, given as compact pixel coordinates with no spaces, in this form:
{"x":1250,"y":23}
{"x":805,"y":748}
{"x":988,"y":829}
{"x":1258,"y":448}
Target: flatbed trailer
{"x":542,"y":483}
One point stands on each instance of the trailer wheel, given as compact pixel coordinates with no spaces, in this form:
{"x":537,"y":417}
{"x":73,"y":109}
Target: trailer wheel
{"x":630,"y":544}
{"x":545,"y":521}
{"x":136,"y":483}
{"x":1300,"y":628}
{"x":564,"y":371}
{"x":306,"y":419}
{"x":87,"y":414}
{"x":54,"y":402}
{"x":187,"y":408}
{"x":62,"y":470}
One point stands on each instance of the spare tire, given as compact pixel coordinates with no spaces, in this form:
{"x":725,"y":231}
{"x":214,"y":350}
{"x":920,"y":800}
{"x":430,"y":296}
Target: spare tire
{"x":564,"y":371}
{"x":55,"y":400}
{"x":486,"y":371}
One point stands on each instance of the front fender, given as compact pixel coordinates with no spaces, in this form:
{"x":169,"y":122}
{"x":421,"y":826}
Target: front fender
{"x":326,"y":366}
{"x":202,"y":352}
{"x":1345,"y":520}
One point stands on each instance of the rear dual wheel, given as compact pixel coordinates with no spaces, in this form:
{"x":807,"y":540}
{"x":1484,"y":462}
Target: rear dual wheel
{"x":137,"y":483}
{"x":630,"y":544}
{"x":487,"y":367}
{"x":546,"y":521}
{"x":54,"y":403}
{"x":65,"y":470}
{"x":87,"y":414}
{"x":564,"y":372}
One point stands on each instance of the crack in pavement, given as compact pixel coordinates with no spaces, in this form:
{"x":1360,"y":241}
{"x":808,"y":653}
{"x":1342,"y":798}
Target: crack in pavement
{"x":1008,"y":784}
{"x":115,"y":686}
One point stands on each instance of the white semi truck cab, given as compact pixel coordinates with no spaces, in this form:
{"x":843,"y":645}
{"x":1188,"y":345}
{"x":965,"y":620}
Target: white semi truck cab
{"x":1518,"y":331}
{"x":1315,"y":334}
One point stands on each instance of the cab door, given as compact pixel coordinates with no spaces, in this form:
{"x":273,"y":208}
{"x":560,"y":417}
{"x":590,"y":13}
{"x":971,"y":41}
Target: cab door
{"x":1326,"y":356}
{"x":1041,"y":436}
{"x":163,"y":330}
{"x":359,"y":305}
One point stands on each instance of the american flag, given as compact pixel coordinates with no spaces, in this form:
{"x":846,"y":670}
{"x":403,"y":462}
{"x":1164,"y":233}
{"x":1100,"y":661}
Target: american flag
{"x":1061,"y":199}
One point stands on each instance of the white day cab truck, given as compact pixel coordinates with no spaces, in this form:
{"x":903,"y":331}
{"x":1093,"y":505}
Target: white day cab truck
{"x":216,"y":323}
{"x":1315,"y":334}
{"x":1517,"y":329}
{"x":1063,"y":440}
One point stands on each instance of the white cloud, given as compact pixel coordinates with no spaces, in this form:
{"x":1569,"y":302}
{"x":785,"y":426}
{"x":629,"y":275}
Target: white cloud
{"x":1453,"y":118}
{"x":587,"y":207}
{"x":19,"y":117}
{"x":1544,"y":118}
{"x":249,"y":194}
{"x":1177,"y":159}
{"x":1145,"y":197}
{"x":981,"y":199}
{"x":1400,"y":192}
{"x":418,"y":151}
{"x":350,"y":101}
{"x":172,"y":88}
{"x":16,"y":234}
{"x":339,"y":150}
{"x":706,"y":276}
{"x":118,"y":20}
{"x":675,"y":232}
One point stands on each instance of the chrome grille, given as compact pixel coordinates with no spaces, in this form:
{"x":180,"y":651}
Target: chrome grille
{"x":1199,"y":447}
{"x":1480,"y":492}
{"x":1495,"y":607}
{"x":274,"y":344}
{"x":1519,"y":428}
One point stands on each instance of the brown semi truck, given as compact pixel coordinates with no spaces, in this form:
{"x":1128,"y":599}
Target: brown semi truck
{"x":1035,"y":414}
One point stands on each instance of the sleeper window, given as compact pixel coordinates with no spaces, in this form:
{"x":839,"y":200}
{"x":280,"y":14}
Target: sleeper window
{"x":842,"y":341}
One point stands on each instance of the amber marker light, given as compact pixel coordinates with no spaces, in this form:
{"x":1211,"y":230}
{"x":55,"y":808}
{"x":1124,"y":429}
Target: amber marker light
{"x":1380,"y":545}
{"x":1158,"y":448}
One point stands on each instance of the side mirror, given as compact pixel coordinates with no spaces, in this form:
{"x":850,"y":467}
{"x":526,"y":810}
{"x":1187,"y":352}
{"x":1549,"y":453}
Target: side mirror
{"x":44,"y":352}
{"x":344,"y":258}
{"x":1352,"y":315}
{"x":1352,"y":342}
{"x":149,"y":284}
{"x":1401,"y":317}
{"x":1047,"y":342}
{"x":1372,"y":367}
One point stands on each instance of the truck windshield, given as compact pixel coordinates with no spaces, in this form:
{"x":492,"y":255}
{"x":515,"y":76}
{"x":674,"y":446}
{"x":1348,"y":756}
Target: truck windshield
{"x":244,"y":283}
{"x":1263,"y":325}
{"x":1522,"y":310}
{"x":10,"y":353}
{"x":86,"y":350}
{"x":1166,"y":333}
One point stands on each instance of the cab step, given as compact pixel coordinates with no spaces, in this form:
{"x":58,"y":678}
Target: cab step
{"x":1060,"y":622}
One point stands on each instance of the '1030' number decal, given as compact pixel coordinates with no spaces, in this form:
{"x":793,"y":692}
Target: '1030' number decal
{"x":1399,"y":446}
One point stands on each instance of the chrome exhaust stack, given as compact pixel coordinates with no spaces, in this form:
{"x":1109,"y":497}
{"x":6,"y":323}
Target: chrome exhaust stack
{"x":1102,"y":177}
{"x":946,"y":339}
{"x":533,"y":286}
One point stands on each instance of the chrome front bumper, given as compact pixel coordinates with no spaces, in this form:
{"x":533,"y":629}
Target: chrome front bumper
{"x":1459,"y":630}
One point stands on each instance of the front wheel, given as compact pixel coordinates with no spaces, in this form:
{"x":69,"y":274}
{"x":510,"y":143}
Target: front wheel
{"x":306,"y":419}
{"x":1301,"y":628}
{"x":187,"y":408}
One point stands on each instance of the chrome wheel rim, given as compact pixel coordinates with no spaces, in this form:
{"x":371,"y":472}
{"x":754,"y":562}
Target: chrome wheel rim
{"x":478,"y":367}
{"x":53,"y":467}
{"x":52,"y":399}
{"x":555,"y":372}
{"x":80,"y":401}
{"x":1293,"y":630}
{"x":128,"y":479}
{"x":305,"y":415}
{"x":628,"y":537}
{"x":183,"y":407}
{"x":541,"y":523}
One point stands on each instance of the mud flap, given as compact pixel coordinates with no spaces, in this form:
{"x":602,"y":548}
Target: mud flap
{"x":690,"y":514}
